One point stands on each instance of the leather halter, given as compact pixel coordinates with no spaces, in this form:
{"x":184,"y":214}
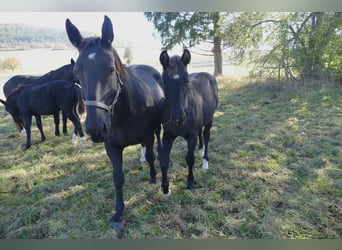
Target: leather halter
{"x":108,"y":108}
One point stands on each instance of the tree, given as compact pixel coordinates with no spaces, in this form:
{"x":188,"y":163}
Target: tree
{"x":219,"y":29}
{"x":303,"y":44}
{"x":10,"y":63}
{"x":128,"y":55}
{"x":189,"y":29}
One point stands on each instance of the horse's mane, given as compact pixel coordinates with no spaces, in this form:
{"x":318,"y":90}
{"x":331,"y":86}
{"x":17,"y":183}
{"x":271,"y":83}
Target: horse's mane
{"x":17,"y":89}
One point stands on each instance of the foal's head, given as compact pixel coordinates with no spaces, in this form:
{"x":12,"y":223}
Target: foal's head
{"x":97,"y":68}
{"x":176,"y":79}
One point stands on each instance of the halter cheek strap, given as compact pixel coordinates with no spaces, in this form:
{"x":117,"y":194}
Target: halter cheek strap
{"x":108,"y":108}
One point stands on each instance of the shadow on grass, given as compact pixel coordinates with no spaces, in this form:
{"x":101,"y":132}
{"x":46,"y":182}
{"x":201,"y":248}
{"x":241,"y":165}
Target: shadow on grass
{"x":275,"y":157}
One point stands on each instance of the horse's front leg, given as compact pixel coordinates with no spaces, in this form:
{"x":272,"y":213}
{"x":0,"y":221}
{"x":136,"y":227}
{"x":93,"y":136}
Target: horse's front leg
{"x":40,"y":127}
{"x":190,"y":159}
{"x":164,"y":160}
{"x":115,"y":155}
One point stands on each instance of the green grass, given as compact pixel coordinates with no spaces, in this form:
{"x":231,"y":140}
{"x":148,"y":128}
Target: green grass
{"x":275,"y":172}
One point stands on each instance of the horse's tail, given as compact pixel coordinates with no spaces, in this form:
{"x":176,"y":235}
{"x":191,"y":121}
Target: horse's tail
{"x":81,"y":106}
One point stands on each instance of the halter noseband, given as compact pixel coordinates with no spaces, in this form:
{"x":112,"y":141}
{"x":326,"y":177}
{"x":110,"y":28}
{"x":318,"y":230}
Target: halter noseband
{"x":108,"y":108}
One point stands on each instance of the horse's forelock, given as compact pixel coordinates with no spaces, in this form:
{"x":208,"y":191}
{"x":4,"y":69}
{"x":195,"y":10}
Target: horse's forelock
{"x":175,"y":64}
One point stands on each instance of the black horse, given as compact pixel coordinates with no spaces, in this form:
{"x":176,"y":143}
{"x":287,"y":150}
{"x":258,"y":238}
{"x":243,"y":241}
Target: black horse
{"x":124,"y":104}
{"x":64,"y":72}
{"x":26,"y":101}
{"x":190,"y":103}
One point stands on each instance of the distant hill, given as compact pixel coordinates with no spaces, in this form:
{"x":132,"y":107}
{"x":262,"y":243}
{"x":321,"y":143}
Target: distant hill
{"x":22,"y":36}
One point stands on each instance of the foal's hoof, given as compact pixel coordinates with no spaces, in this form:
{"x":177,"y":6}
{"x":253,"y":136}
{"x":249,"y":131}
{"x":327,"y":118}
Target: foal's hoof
{"x":117,"y":226}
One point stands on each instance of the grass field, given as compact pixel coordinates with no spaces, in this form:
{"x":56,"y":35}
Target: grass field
{"x":275,"y":172}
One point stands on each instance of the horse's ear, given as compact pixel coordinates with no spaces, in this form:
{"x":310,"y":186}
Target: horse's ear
{"x":72,"y":61}
{"x":73,"y":33}
{"x":107,"y":32}
{"x":3,"y":102}
{"x":186,"y":57}
{"x":164,"y":59}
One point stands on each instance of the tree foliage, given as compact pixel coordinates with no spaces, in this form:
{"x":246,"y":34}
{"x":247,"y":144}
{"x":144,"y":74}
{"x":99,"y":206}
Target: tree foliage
{"x":293,"y":45}
{"x":302,"y":44}
{"x":10,"y":63}
{"x":189,"y":29}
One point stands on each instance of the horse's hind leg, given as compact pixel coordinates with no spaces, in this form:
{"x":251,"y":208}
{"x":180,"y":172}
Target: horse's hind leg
{"x":56,"y":120}
{"x":150,"y":158}
{"x":190,"y":159}
{"x":65,"y":127}
{"x":40,"y":127}
{"x":28,"y":122}
{"x":200,"y":145}
{"x":206,"y":136}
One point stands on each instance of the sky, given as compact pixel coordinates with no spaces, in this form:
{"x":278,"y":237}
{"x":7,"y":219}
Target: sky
{"x":130,"y":27}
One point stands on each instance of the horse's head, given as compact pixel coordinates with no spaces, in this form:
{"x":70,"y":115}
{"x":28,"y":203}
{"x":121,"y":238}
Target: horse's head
{"x":11,"y":107}
{"x":175,"y":77}
{"x":97,"y":69}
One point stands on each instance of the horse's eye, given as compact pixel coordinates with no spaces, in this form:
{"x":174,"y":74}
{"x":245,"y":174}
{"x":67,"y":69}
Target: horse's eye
{"x":111,"y":69}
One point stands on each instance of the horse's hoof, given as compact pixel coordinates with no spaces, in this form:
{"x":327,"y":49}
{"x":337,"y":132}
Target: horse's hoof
{"x":190,"y":186}
{"x":153,"y":181}
{"x":117,"y":226}
{"x":167,"y":194}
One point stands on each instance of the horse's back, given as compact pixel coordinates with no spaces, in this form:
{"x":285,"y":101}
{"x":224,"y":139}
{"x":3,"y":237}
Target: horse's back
{"x":205,"y":85}
{"x":147,"y":84}
{"x":15,"y":81}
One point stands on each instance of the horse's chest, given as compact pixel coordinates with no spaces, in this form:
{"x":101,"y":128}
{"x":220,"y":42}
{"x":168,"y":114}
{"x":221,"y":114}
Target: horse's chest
{"x":123,"y":137}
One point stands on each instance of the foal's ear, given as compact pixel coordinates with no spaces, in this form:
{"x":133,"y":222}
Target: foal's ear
{"x":107,"y":32}
{"x":186,"y":57}
{"x":164,"y":58}
{"x":3,"y":102}
{"x":73,"y":33}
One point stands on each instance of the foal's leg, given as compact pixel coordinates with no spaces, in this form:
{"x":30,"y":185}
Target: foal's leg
{"x":115,"y":155}
{"x":150,"y":157}
{"x":206,"y":135}
{"x":28,"y":121}
{"x":56,"y":120}
{"x":77,"y":123}
{"x":190,"y":159}
{"x":65,"y":127}
{"x":164,"y":160}
{"x":40,"y":127}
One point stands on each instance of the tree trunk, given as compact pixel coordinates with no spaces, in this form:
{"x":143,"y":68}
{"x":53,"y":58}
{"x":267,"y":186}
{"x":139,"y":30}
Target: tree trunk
{"x":217,"y":45}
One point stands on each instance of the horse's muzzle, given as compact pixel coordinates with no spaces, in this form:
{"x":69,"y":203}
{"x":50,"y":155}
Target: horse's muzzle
{"x":97,"y":135}
{"x":178,"y":120}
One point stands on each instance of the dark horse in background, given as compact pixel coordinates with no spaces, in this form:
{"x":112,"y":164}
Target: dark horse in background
{"x":26,"y":101}
{"x":64,"y":72}
{"x":190,"y":103}
{"x":124,"y":104}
